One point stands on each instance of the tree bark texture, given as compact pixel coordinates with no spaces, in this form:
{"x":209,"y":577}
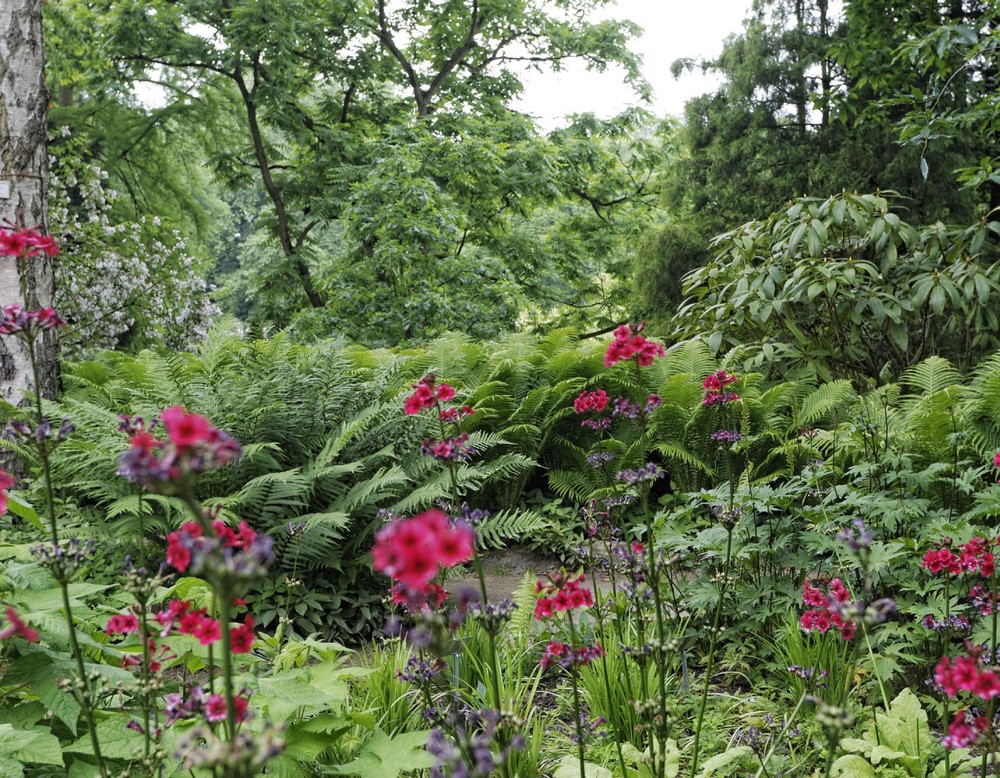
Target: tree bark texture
{"x":24,"y":166}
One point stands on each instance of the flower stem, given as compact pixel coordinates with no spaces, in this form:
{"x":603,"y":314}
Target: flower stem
{"x":577,"y":713}
{"x":87,"y":695}
{"x":713,"y":640}
{"x":225,"y":610}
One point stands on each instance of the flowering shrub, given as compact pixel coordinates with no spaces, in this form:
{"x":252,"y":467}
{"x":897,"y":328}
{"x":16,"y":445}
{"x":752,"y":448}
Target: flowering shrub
{"x":122,"y":284}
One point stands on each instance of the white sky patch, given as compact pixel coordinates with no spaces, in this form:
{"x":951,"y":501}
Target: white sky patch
{"x":672,"y":29}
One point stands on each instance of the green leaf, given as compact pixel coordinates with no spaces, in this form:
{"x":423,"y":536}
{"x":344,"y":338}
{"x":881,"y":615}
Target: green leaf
{"x":117,"y":742}
{"x":938,"y":299}
{"x":38,"y":673}
{"x":305,"y":689}
{"x":11,"y":767}
{"x":569,"y":767}
{"x":914,"y":734}
{"x":387,"y":757}
{"x":726,"y":762}
{"x":853,"y":766}
{"x":31,"y":746}
{"x":23,"y":510}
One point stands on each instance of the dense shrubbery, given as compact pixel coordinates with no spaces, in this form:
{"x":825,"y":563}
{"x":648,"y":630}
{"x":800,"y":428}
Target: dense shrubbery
{"x":748,"y":531}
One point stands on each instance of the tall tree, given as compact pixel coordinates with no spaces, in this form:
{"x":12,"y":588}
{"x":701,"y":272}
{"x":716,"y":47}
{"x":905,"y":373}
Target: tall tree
{"x":808,"y":107}
{"x":382,"y":137}
{"x":23,"y":172}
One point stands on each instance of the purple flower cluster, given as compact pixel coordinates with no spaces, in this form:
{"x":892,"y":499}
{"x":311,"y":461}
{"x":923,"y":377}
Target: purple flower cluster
{"x":957,"y":623}
{"x":625,"y":407}
{"x":492,"y":614}
{"x":456,"y":448}
{"x":600,"y":424}
{"x":808,"y":672}
{"x":193,"y":446}
{"x":478,"y":748}
{"x":600,"y":458}
{"x":651,"y":472}
{"x":556,"y":653}
{"x":727,"y":436}
{"x":857,"y":539}
{"x":419,"y":670}
{"x":720,"y":399}
{"x":591,"y":730}
{"x":62,"y":558}
{"x":225,"y":554}
{"x":23,"y":432}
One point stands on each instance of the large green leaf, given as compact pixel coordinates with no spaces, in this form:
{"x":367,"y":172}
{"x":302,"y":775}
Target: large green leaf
{"x":853,"y":766}
{"x":34,"y":746}
{"x":387,"y":757}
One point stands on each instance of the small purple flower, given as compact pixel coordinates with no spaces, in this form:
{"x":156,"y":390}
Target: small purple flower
{"x":727,"y":436}
{"x":625,"y":407}
{"x":857,"y":539}
{"x":650,"y":472}
{"x":600,"y":458}
{"x":456,"y":449}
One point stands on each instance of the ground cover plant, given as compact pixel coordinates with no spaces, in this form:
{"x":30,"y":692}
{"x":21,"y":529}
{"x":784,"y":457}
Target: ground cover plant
{"x":761,"y":577}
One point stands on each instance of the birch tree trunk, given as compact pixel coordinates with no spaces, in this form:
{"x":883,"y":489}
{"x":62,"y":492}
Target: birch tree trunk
{"x":24,"y":168}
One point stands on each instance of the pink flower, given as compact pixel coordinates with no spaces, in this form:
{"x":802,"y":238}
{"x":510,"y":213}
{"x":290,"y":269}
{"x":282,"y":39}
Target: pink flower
{"x":193,"y":447}
{"x":561,"y":593}
{"x":941,"y":560}
{"x":591,"y":401}
{"x":207,"y":630}
{"x":829,"y":609}
{"x":27,"y":243}
{"x":6,"y":482}
{"x":122,"y":624}
{"x":412,"y":550}
{"x":962,"y":734}
{"x":996,"y":459}
{"x":13,"y":244}
{"x":241,"y":638}
{"x":423,"y":397}
{"x":185,"y":429}
{"x":215,"y":708}
{"x":629,"y":344}
{"x":455,"y":415}
{"x":17,"y":627}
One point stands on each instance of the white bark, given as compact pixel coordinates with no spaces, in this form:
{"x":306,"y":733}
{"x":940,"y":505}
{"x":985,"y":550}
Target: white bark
{"x":24,"y":164}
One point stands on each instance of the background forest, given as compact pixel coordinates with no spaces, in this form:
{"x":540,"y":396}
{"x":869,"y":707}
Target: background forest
{"x":357,"y":171}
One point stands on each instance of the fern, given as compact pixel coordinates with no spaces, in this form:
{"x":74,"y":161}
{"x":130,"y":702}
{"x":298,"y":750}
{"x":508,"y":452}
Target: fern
{"x":932,"y":375}
{"x":822,"y":401}
{"x":503,"y":527}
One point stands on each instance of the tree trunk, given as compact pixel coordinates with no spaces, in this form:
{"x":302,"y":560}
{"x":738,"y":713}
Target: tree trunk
{"x":24,"y":168}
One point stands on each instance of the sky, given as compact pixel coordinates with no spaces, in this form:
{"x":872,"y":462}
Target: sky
{"x":672,"y":29}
